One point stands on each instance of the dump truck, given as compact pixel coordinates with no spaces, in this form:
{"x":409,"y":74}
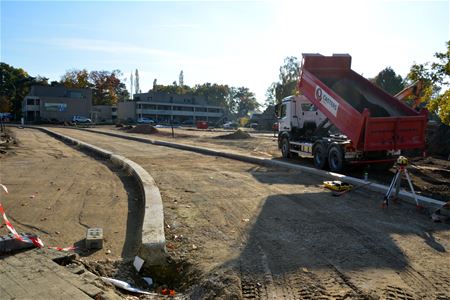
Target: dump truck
{"x":340,"y":118}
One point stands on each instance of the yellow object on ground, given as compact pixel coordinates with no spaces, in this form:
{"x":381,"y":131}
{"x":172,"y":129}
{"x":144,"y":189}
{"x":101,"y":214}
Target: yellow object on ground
{"x":337,"y":185}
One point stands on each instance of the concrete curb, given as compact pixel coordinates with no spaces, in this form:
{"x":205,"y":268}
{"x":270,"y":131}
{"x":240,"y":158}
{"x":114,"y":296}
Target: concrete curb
{"x":404,"y":195}
{"x":153,"y":248}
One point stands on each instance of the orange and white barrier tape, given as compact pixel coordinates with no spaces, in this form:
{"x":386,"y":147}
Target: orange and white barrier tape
{"x":34,"y":240}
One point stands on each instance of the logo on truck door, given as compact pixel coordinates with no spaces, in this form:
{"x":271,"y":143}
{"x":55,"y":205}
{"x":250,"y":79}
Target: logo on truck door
{"x":327,"y":101}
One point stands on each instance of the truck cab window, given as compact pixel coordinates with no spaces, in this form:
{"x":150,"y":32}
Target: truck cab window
{"x":308,"y":107}
{"x":283,"y":111}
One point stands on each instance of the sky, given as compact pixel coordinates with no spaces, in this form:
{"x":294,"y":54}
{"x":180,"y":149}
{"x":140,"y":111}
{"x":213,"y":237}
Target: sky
{"x":239,"y":43}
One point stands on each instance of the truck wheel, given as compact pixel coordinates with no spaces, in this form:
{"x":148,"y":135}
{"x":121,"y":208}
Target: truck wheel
{"x":285,"y":147}
{"x":320,"y":157}
{"x":336,"y":159}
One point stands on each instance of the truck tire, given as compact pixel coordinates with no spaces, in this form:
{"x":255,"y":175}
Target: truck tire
{"x":285,"y":147}
{"x":336,"y":159}
{"x":320,"y":156}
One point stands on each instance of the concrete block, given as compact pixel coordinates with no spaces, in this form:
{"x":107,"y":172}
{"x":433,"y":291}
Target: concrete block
{"x":94,"y":238}
{"x":8,"y":243}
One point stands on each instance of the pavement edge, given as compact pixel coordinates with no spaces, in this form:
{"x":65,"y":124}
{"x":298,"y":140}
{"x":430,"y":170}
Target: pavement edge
{"x":153,"y":243}
{"x":403,"y":195}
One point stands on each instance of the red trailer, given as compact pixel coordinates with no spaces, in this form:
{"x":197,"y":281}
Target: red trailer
{"x":348,"y":119}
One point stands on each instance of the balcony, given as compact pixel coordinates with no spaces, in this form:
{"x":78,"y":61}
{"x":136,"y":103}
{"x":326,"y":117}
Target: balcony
{"x":178,"y":113}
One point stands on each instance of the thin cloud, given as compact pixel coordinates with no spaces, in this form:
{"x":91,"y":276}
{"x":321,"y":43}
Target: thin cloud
{"x":105,"y":46}
{"x":178,"y":26}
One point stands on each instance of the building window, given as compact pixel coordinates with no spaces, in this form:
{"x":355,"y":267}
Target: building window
{"x":164,"y":107}
{"x":136,"y":98}
{"x":75,"y":94}
{"x":30,"y":101}
{"x":200,"y":109}
{"x":55,"y":106}
{"x":214,"y":110}
{"x":38,"y":102}
{"x":149,"y":98}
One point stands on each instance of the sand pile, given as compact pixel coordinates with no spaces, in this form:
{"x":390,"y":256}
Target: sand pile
{"x":237,"y":135}
{"x":360,"y":99}
{"x":144,"y":128}
{"x":125,"y":127}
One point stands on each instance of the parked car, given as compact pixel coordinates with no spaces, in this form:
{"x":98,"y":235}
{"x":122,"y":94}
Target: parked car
{"x":187,"y":123}
{"x":230,"y":125}
{"x":81,"y":119}
{"x":145,"y":121}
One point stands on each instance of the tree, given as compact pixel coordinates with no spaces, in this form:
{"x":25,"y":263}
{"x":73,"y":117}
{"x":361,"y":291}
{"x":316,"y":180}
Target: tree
{"x":181,"y":79}
{"x":76,"y":79}
{"x":107,"y":88}
{"x":136,"y":82}
{"x":287,"y":83}
{"x":389,"y":81}
{"x":435,"y":78}
{"x":15,"y":85}
{"x":244,"y":101}
{"x":215,"y":94}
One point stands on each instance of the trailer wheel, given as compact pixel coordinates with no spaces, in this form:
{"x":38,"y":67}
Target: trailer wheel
{"x":336,"y":159}
{"x":285,"y":148}
{"x":320,"y":157}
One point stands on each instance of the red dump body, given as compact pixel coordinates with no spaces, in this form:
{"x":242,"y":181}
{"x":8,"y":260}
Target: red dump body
{"x":370,"y":117}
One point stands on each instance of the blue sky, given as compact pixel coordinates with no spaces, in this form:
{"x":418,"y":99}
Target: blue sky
{"x":240,"y":43}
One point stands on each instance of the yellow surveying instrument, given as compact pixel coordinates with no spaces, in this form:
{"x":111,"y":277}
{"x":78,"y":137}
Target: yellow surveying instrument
{"x":401,"y":164}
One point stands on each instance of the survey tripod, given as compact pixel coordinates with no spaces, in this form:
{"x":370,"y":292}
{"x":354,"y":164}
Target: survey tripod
{"x":402,"y":163}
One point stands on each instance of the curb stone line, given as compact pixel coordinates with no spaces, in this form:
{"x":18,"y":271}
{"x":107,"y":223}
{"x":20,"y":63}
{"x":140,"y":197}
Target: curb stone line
{"x":153,"y":242}
{"x":376,"y":187}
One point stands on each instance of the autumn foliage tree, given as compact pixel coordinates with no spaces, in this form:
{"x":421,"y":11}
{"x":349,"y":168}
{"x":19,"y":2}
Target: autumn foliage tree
{"x":107,"y":87}
{"x":435,"y":77}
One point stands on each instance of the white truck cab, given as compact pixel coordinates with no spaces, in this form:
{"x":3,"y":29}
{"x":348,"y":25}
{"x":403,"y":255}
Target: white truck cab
{"x":297,"y":112}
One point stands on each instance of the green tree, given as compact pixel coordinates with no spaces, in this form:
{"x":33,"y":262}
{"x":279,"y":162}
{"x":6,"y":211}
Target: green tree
{"x":15,"y":85}
{"x":215,"y":94}
{"x":435,"y":77}
{"x":287,"y":81}
{"x":244,"y":101}
{"x":389,"y":81}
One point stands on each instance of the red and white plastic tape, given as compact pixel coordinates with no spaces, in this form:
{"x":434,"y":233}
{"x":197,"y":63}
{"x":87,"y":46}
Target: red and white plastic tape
{"x":34,"y":240}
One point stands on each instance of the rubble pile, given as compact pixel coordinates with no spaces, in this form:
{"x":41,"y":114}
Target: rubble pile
{"x":237,"y":135}
{"x":144,"y":128}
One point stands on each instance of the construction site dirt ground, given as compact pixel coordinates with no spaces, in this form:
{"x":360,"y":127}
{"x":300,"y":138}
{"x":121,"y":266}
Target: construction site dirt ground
{"x":238,"y":230}
{"x":58,"y":192}
{"x":430,"y":175}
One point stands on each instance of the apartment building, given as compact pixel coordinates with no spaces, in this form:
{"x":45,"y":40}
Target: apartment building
{"x":166,"y":108}
{"x":56,"y":103}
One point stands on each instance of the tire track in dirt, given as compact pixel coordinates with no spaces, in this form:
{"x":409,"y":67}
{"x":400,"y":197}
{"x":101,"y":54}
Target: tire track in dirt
{"x":298,"y":242}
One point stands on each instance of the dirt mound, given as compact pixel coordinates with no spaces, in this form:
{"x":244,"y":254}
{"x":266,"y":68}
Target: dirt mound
{"x":237,"y":135}
{"x":144,"y":128}
{"x":438,"y":140}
